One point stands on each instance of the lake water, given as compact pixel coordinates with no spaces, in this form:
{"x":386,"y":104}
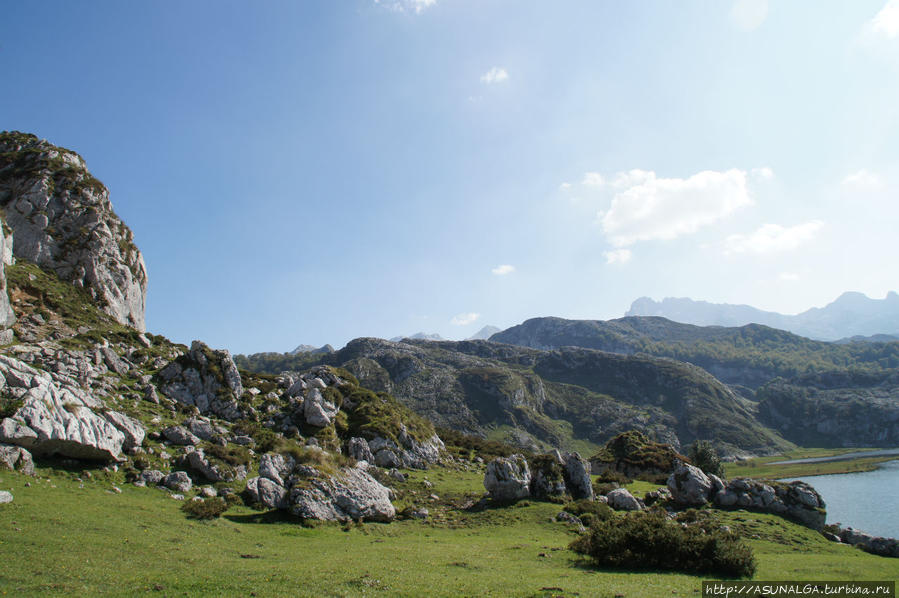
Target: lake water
{"x":867,"y":501}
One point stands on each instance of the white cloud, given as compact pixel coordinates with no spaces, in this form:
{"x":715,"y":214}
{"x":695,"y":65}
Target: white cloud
{"x":416,"y":6}
{"x":503,"y":269}
{"x":764,"y":173}
{"x":771,"y":238}
{"x":618,"y":256}
{"x":749,"y":14}
{"x":788,"y":276}
{"x":863,"y":180}
{"x":593,"y":179}
{"x":650,"y":208}
{"x":631,"y":178}
{"x":565,"y":186}
{"x":494,"y":75}
{"x":464,"y":319}
{"x":886,"y":22}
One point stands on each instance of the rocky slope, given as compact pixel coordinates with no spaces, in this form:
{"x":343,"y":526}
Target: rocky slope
{"x":546,"y":399}
{"x":63,"y":221}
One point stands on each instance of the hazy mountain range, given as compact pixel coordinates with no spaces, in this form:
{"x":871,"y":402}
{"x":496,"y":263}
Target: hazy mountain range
{"x":851,"y":314}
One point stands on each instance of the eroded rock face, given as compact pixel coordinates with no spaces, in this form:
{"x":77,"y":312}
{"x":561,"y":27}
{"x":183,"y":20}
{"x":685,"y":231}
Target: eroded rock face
{"x":205,"y":378}
{"x":57,"y":417}
{"x":63,"y":221}
{"x":7,"y":317}
{"x":508,"y":478}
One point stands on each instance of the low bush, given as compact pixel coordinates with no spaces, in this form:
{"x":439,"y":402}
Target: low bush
{"x":207,"y":508}
{"x":589,"y":511}
{"x":647,"y":540}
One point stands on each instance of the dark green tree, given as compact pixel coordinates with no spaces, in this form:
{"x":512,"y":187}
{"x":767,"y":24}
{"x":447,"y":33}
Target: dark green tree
{"x":704,"y":456}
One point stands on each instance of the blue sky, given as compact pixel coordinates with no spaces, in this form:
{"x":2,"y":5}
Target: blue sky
{"x":311,"y":172}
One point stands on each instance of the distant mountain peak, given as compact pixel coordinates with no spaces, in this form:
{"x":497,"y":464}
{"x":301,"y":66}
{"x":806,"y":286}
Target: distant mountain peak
{"x":419,"y":336}
{"x":312,"y":349}
{"x":851,"y":314}
{"x":484,"y":333}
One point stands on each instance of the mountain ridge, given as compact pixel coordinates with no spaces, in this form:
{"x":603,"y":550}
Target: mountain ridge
{"x":850,"y":314}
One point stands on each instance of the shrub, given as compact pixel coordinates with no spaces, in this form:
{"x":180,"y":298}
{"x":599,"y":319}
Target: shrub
{"x":703,"y":456}
{"x":208,"y":508}
{"x":647,"y":540}
{"x":589,"y":510}
{"x":266,"y":439}
{"x":612,"y":476}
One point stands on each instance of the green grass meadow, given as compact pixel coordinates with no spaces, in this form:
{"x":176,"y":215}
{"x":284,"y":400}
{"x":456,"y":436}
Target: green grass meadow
{"x":65,"y":537}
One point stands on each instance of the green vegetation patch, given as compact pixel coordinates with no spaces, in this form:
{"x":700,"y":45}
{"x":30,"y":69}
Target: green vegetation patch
{"x":379,"y":414}
{"x":646,"y":540}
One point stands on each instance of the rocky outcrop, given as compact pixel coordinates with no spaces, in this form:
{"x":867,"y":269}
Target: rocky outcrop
{"x":545,"y":477}
{"x":196,"y":460}
{"x":689,"y":485}
{"x":508,"y":478}
{"x":577,"y":477}
{"x":56,"y":417}
{"x":7,"y":317}
{"x":206,"y":379}
{"x":63,"y":221}
{"x":16,"y":458}
{"x":350,"y":493}
{"x":408,"y":452}
{"x":796,"y":500}
{"x":869,"y":543}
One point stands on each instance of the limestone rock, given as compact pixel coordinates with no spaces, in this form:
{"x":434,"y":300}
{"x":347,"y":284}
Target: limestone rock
{"x":196,"y":460}
{"x":16,"y":458}
{"x":275,"y":467}
{"x":131,"y":428}
{"x":7,"y":317}
{"x":63,"y":221}
{"x":358,"y":449}
{"x":152,"y":476}
{"x":352,"y":494}
{"x":56,"y":417}
{"x":888,"y":547}
{"x":689,"y":485}
{"x":205,"y":378}
{"x":5,"y":497}
{"x":508,"y":478}
{"x":577,"y":477}
{"x":177,"y":481}
{"x":266,"y":492}
{"x":795,"y":500}
{"x":317,"y":410}
{"x":180,"y":436}
{"x":622,"y":500}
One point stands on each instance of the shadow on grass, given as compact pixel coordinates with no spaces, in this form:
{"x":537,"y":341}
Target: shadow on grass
{"x":274,"y":516}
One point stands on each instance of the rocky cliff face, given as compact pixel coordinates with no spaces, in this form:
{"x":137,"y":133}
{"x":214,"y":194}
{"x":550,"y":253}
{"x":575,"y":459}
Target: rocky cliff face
{"x":63,"y":221}
{"x":7,"y":316}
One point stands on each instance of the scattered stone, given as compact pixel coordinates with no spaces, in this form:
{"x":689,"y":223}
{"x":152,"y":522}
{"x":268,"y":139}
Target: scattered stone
{"x":689,"y":485}
{"x":622,"y":500}
{"x":5,"y":497}
{"x":180,"y":436}
{"x":178,"y":481}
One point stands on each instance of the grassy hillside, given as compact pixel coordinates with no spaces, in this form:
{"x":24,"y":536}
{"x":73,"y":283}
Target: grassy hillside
{"x":64,"y":537}
{"x":747,"y":355}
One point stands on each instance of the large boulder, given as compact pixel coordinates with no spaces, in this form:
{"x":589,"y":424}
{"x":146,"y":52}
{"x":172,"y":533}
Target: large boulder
{"x":267,"y":493}
{"x":63,"y":221}
{"x":56,"y":417}
{"x":206,"y":379}
{"x":177,"y":481}
{"x":16,"y":458}
{"x":622,"y":500}
{"x":351,"y":494}
{"x":508,"y":478}
{"x":689,"y":485}
{"x":577,"y":477}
